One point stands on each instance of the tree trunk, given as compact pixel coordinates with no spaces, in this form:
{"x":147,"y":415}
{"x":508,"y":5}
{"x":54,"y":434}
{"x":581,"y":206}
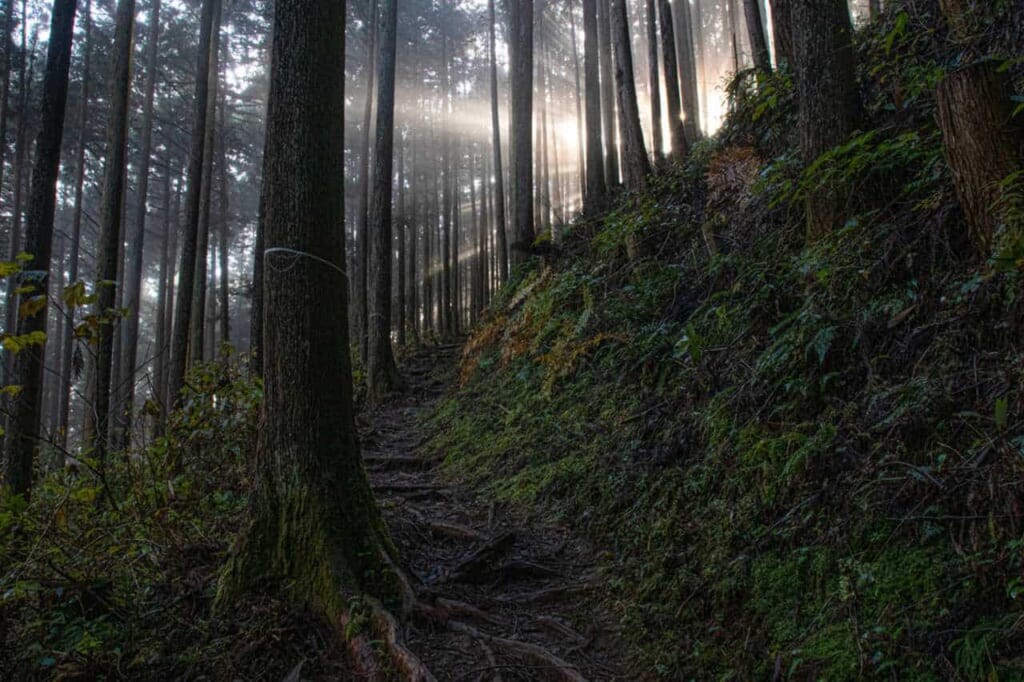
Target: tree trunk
{"x":521,"y":48}
{"x":66,"y":370}
{"x":596,"y":189}
{"x":653,"y":79}
{"x":5,"y":82}
{"x":200,"y":313}
{"x":382,"y":373}
{"x":688,"y":73}
{"x":604,"y":32}
{"x":758,"y":40}
{"x":635,"y":164}
{"x":223,"y":228}
{"x":782,"y":21}
{"x":827,"y":94}
{"x":133,"y":262}
{"x":166,"y":266}
{"x":362,"y":235}
{"x":183,"y":311}
{"x":24,"y":435}
{"x":982,"y":141}
{"x":400,"y":233}
{"x":314,"y":524}
{"x":499,"y":173}
{"x":581,"y":144}
{"x":110,"y":223}
{"x":677,"y":131}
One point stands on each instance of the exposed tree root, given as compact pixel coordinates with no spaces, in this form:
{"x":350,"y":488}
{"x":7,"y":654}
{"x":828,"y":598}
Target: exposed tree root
{"x":477,"y":563}
{"x":390,"y":463}
{"x":406,"y":661}
{"x":565,"y":670}
{"x":556,"y":625}
{"x":545,"y":595}
{"x":444,"y":527}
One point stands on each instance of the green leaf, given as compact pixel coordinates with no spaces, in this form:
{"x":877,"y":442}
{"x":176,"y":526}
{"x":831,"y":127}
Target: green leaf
{"x":1002,"y":413}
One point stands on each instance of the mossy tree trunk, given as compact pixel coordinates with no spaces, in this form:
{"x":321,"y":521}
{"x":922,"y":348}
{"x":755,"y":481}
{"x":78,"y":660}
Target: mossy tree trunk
{"x":829,"y":101}
{"x":314,"y":525}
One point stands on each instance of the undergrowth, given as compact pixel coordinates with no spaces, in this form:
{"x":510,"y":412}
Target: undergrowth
{"x":802,"y":461}
{"x":109,"y":572}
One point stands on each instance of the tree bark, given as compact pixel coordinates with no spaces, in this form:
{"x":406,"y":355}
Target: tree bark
{"x":382,"y":373}
{"x":521,"y":48}
{"x":827,"y":94}
{"x":5,"y":82}
{"x":314,"y":524}
{"x":635,"y":164}
{"x":110,"y":224}
{"x":982,"y":141}
{"x":688,"y":73}
{"x":362,"y":236}
{"x":24,"y":434}
{"x":782,"y":21}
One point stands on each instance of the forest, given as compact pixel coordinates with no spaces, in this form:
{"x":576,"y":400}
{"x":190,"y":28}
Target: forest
{"x":495,"y":340}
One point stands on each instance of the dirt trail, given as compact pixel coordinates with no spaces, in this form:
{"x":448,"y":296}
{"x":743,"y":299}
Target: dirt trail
{"x":507,"y":597}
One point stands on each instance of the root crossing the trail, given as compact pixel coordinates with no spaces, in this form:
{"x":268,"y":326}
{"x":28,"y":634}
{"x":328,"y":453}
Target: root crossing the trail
{"x":492,"y":594}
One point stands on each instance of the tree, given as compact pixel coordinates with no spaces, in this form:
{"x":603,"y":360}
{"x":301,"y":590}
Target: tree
{"x":654,"y":80}
{"x":677,"y":131}
{"x":520,"y":19}
{"x":136,"y":238}
{"x":68,"y":339}
{"x":604,"y":31}
{"x":688,"y":73}
{"x":827,"y":94}
{"x":362,"y":236}
{"x":382,"y":373}
{"x":5,"y":81}
{"x":111,"y":207}
{"x":635,"y":164}
{"x":982,"y":139}
{"x":499,"y":170}
{"x":183,"y":311}
{"x":313,"y":522}
{"x":758,"y":41}
{"x":23,"y":434}
{"x":782,"y":22}
{"x":595,"y":185}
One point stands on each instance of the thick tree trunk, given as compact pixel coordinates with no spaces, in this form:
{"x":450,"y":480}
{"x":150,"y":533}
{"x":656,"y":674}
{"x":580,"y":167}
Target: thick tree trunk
{"x":677,"y":131}
{"x":758,"y":40}
{"x":66,"y":369}
{"x":611,"y":147}
{"x":653,"y":79}
{"x":635,"y":164}
{"x":521,"y":48}
{"x":111,"y":222}
{"x":499,"y":172}
{"x":136,"y":238}
{"x":382,"y":373}
{"x":597,"y":190}
{"x":183,"y":311}
{"x":829,"y":101}
{"x":983,"y":143}
{"x":24,"y":434}
{"x":314,"y":525}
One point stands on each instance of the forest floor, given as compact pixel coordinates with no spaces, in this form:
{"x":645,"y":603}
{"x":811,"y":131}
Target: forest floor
{"x":510,"y":597}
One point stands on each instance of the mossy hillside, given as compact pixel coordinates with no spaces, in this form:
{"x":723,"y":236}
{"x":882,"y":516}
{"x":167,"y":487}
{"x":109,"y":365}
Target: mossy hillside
{"x":798,"y":458}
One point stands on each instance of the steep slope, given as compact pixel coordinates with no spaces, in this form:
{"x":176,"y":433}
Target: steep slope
{"x":801,"y":460}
